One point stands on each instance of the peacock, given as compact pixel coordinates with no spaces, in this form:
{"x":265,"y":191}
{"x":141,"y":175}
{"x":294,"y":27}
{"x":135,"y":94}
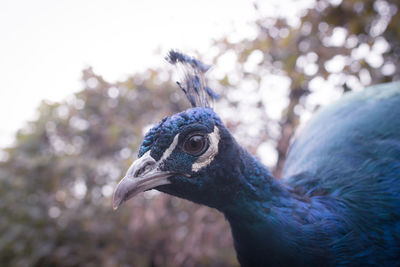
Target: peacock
{"x":337,"y":204}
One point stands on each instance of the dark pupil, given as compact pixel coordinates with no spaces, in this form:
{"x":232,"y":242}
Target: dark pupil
{"x":195,"y":144}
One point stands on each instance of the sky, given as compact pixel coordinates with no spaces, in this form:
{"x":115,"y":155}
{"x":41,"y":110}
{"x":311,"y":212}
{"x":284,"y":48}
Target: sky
{"x":45,"y":44}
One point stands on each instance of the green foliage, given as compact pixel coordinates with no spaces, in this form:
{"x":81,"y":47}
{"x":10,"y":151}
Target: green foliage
{"x":56,"y":185}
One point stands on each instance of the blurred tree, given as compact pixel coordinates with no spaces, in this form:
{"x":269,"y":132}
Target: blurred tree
{"x":56,"y":182}
{"x":295,"y":64}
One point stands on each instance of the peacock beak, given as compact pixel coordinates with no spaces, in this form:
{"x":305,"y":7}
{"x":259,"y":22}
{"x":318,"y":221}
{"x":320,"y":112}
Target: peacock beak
{"x":144,"y":174}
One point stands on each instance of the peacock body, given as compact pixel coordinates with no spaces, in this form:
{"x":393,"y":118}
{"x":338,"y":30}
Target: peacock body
{"x":338,"y":203}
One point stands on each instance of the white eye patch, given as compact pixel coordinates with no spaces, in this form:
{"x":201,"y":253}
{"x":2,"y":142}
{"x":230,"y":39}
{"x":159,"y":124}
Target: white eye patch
{"x":171,"y":148}
{"x":206,"y":158}
{"x":209,"y":155}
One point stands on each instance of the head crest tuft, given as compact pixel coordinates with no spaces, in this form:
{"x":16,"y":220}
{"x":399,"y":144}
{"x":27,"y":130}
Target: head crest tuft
{"x":194,"y":83}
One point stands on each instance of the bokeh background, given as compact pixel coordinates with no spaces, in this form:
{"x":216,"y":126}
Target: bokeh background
{"x":82,"y":81}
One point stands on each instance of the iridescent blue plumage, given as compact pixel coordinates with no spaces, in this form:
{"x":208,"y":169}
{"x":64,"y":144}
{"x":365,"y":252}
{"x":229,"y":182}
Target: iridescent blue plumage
{"x":339,"y":201}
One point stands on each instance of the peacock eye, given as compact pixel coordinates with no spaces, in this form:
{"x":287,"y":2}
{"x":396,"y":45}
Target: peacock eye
{"x":195,"y":144}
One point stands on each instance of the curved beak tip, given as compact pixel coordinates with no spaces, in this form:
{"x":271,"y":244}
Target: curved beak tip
{"x":120,"y":194}
{"x":115,"y":204}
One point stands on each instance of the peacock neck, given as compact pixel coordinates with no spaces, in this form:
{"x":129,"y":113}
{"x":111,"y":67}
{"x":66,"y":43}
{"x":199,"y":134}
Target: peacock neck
{"x":256,"y":190}
{"x":268,"y":210}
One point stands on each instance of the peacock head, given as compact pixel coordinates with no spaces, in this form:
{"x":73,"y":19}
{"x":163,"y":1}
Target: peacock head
{"x":182,"y":154}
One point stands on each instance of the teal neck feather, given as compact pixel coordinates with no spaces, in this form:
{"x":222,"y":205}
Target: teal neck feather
{"x":265,"y":211}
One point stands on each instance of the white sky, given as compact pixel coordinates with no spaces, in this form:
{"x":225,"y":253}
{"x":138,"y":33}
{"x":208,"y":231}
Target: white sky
{"x":45,"y":44}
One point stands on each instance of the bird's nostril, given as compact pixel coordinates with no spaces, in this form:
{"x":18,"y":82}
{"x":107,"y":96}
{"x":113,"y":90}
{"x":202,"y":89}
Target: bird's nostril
{"x":145,"y":168}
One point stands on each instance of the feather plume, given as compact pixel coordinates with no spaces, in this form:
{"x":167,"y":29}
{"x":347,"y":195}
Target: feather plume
{"x":193,"y":84}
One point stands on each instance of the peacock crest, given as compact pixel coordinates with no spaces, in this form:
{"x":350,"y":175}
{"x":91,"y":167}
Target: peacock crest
{"x":194,"y":83}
